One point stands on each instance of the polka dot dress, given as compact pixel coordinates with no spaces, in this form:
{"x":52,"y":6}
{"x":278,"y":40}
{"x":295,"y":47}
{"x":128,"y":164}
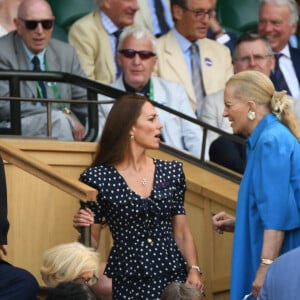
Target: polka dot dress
{"x":144,"y":257}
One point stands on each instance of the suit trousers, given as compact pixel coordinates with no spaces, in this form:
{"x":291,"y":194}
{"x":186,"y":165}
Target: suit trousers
{"x":36,"y":125}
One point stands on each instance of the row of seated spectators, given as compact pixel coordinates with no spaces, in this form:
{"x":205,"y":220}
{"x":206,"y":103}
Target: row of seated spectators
{"x":172,"y":63}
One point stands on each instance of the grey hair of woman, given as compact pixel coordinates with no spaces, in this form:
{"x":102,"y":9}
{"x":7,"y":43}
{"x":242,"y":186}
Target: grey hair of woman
{"x":257,"y":87}
{"x":293,"y":8}
{"x":137,"y":33}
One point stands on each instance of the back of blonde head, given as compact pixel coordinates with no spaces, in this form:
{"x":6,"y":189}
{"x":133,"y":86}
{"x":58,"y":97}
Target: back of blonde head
{"x":256,"y":86}
{"x":67,"y":262}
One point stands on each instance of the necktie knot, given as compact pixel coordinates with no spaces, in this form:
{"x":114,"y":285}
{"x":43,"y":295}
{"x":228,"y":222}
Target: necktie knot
{"x":117,"y":33}
{"x":194,"y":49}
{"x":278,"y":55}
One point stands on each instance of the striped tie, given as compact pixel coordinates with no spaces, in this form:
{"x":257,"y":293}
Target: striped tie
{"x":196,"y":77}
{"x":280,"y":82}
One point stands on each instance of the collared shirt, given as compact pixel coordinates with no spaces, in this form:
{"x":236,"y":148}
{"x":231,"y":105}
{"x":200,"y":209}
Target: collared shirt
{"x":287,"y":68}
{"x":145,"y":90}
{"x":185,"y":46}
{"x":30,"y":56}
{"x":155,"y":24}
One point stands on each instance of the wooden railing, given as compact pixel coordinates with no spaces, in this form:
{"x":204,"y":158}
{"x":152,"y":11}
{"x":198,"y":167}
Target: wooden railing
{"x":31,"y":165}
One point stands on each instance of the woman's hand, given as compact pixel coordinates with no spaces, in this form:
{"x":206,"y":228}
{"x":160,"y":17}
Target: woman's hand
{"x":194,"y":278}
{"x":223,"y":222}
{"x":259,"y":280}
{"x":83,"y":218}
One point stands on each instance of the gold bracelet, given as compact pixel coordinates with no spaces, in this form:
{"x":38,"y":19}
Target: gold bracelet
{"x":266,"y":261}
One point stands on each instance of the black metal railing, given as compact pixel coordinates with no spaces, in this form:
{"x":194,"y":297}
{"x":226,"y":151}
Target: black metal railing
{"x":93,"y":89}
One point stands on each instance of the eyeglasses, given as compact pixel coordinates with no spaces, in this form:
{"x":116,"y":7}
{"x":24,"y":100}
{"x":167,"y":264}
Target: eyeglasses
{"x":201,"y":13}
{"x":258,"y":58}
{"x":88,"y":281}
{"x":32,"y":24}
{"x":143,"y":54}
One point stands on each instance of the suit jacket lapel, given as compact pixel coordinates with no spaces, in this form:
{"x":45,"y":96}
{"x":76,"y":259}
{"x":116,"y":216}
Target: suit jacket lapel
{"x":295,"y":57}
{"x":143,"y":15}
{"x":24,"y":64}
{"x":108,"y":56}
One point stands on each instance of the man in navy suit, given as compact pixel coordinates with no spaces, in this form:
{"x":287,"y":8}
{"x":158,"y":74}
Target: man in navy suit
{"x":277,"y":22}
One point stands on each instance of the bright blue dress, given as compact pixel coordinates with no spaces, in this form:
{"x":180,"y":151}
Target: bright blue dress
{"x":269,"y":198}
{"x":144,"y":257}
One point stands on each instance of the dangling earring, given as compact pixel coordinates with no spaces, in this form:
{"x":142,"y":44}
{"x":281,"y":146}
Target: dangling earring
{"x":131,"y":136}
{"x":251,"y":115}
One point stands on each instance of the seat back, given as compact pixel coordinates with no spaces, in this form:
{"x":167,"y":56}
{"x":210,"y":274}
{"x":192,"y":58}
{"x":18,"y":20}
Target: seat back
{"x":238,"y":16}
{"x":66,"y":12}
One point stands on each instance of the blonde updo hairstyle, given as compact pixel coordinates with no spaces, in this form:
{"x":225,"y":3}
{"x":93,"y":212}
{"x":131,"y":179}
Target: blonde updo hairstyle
{"x":67,"y":262}
{"x":257,"y":87}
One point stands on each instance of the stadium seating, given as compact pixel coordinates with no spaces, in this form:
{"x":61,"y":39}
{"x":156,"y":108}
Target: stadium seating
{"x":66,"y":12}
{"x":238,"y":16}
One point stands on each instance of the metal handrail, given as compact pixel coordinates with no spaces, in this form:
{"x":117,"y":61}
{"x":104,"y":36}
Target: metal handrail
{"x":93,"y":89}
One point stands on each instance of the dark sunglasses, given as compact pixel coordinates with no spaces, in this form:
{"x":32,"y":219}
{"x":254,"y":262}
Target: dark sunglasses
{"x":130,"y":53}
{"x":32,"y":24}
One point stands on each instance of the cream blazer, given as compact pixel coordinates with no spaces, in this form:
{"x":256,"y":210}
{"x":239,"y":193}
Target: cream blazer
{"x":216,"y":65}
{"x":91,"y":41}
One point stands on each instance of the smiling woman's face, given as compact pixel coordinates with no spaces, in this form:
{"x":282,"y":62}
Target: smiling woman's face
{"x":236,"y":111}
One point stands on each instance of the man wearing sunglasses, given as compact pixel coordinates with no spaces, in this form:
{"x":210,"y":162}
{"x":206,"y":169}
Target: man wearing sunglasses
{"x":95,"y":37}
{"x":185,"y":54}
{"x":137,"y":57}
{"x":30,"y":47}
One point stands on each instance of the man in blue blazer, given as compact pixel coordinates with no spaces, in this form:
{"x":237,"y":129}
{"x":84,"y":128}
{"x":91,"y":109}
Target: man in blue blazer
{"x":32,"y":39}
{"x":137,"y":57}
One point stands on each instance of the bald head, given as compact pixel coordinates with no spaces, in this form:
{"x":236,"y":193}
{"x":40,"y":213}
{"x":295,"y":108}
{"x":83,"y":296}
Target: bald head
{"x":34,"y":24}
{"x":28,"y":7}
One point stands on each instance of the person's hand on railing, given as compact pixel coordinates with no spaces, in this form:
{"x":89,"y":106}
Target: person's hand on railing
{"x":83,"y":218}
{"x":78,"y":129}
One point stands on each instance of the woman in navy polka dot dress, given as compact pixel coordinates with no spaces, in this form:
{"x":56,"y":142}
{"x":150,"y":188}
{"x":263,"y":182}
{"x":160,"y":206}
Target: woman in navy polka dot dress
{"x":141,"y":199}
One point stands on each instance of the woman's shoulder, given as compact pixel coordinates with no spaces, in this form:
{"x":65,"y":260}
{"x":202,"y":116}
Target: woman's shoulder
{"x":95,"y":172}
{"x":166,"y":163}
{"x":172,"y":165}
